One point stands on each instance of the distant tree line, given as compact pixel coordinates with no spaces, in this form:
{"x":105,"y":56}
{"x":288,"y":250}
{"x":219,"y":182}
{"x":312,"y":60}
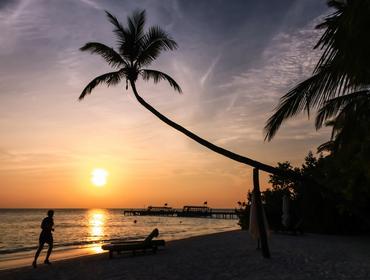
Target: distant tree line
{"x":337,"y":204}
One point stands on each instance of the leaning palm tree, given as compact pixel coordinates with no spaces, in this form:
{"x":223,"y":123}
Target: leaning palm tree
{"x":342,"y":69}
{"x":137,"y":49}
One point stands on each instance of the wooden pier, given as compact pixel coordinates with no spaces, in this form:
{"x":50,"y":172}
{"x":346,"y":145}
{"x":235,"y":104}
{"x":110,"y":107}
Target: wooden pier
{"x":187,"y":212}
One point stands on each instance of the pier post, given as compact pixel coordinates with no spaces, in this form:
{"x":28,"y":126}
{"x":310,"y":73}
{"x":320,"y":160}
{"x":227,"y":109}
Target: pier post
{"x":260,"y":217}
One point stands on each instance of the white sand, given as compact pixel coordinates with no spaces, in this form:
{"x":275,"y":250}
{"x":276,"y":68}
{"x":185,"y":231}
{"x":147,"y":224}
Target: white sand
{"x":229,"y":255}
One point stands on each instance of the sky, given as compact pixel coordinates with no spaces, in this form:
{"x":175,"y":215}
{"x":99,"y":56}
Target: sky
{"x":235,"y":60}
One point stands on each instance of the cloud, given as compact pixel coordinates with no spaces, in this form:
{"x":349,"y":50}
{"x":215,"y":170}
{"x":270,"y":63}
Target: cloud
{"x":288,"y":59}
{"x":209,"y":70}
{"x":13,"y":160}
{"x":92,"y":4}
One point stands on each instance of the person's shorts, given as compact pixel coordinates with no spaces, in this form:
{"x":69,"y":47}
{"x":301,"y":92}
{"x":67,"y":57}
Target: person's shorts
{"x":46,"y":237}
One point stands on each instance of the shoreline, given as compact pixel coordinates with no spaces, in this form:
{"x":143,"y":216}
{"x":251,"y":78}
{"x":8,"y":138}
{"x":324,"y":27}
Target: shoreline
{"x":24,"y":259}
{"x":226,"y":255}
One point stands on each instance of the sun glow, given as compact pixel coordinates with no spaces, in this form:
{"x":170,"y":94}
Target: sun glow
{"x":99,"y":177}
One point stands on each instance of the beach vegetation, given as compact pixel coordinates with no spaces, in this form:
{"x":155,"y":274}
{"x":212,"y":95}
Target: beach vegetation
{"x":338,"y":205}
{"x":243,"y":212}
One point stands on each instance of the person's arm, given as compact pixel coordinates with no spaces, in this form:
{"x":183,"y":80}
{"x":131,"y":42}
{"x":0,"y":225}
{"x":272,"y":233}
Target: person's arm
{"x":43,"y":224}
{"x":47,"y":225}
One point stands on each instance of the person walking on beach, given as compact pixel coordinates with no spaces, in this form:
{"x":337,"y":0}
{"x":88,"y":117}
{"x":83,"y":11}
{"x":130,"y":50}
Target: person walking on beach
{"x":45,"y":237}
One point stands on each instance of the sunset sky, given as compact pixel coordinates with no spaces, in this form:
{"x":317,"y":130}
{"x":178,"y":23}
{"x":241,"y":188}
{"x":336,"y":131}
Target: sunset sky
{"x":235,"y":60}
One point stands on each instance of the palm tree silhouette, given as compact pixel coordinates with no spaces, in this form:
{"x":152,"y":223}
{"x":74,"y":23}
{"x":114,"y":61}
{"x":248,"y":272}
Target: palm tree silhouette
{"x":343,"y":68}
{"x":351,"y":125}
{"x":138,"y":49}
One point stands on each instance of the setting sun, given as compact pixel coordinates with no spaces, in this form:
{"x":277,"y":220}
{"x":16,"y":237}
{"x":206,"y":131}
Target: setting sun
{"x":99,"y":177}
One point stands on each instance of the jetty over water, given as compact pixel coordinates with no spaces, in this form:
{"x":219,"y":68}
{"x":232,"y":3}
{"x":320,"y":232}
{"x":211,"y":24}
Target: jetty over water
{"x":187,"y":211}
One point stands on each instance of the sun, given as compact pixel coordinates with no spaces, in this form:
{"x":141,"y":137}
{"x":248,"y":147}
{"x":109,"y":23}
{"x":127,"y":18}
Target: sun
{"x":99,"y":177}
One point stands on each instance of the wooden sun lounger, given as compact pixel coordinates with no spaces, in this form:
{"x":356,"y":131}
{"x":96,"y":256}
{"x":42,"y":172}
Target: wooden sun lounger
{"x":134,"y":246}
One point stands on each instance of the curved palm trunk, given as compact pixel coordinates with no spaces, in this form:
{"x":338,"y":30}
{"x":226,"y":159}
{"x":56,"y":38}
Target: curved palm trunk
{"x":209,"y":145}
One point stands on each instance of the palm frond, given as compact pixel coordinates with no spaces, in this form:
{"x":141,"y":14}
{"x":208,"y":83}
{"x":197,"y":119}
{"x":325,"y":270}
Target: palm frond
{"x":333,"y":106}
{"x":129,"y":47}
{"x":324,"y":85}
{"x":109,"y":54}
{"x":120,"y":31}
{"x":152,"y":43}
{"x":328,"y":146}
{"x":136,"y":23}
{"x":331,"y":23}
{"x":345,"y":40}
{"x":292,"y":103}
{"x":111,"y":78}
{"x":157,"y":76}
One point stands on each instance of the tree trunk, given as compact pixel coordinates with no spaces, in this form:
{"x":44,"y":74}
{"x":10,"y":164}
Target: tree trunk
{"x":260,"y":215}
{"x":209,"y":145}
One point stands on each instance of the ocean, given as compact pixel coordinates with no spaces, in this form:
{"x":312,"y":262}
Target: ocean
{"x":89,"y":228}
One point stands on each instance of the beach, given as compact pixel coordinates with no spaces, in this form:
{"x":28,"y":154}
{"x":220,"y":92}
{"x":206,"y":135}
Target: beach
{"x":82,"y":231}
{"x":227,"y":255}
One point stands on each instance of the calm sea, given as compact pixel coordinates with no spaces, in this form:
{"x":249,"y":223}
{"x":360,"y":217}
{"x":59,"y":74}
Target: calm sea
{"x":77,"y":228}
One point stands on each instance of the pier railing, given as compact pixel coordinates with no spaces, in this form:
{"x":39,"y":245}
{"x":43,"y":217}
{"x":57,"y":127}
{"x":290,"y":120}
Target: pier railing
{"x":187,"y":211}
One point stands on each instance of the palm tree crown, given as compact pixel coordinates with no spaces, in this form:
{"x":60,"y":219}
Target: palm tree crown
{"x":136,"y":49}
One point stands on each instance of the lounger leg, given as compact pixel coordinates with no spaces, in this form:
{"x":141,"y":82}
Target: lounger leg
{"x":154,"y":249}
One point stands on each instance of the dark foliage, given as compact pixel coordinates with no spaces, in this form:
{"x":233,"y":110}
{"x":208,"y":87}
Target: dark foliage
{"x":338,"y":205}
{"x":243,"y":213}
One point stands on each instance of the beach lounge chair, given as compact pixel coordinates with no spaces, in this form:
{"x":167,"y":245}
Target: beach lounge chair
{"x":134,"y":246}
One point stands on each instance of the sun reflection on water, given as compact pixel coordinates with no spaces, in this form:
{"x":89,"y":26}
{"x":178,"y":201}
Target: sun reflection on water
{"x":97,"y":219}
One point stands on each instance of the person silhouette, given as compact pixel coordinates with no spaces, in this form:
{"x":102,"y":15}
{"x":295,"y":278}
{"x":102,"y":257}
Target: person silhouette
{"x":45,"y":237}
